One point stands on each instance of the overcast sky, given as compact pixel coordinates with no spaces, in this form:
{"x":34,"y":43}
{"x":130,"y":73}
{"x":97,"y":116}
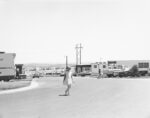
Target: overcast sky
{"x":45,"y":31}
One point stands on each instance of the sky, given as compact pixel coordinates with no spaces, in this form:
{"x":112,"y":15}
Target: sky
{"x":45,"y":31}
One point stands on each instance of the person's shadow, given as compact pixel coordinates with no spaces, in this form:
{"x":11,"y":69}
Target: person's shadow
{"x":63,"y":95}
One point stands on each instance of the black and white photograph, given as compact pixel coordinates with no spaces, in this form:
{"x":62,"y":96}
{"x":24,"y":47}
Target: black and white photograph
{"x":74,"y":59}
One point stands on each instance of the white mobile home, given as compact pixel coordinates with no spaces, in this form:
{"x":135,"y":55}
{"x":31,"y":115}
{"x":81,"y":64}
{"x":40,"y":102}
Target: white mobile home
{"x":7,"y":66}
{"x":143,"y":65}
{"x":99,"y":68}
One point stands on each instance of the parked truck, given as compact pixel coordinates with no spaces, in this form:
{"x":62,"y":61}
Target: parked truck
{"x":7,"y":66}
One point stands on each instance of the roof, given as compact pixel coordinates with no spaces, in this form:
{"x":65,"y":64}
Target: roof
{"x":85,"y":65}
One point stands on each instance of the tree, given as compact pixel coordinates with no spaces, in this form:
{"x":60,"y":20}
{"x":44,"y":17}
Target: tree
{"x":134,"y":72}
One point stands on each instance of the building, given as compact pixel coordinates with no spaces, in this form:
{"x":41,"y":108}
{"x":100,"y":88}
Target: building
{"x":83,"y":69}
{"x":98,"y":68}
{"x":143,"y":65}
{"x":21,"y":71}
{"x":113,"y":67}
{"x":7,"y":66}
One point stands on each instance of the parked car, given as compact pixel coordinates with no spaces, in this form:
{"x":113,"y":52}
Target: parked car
{"x":37,"y":75}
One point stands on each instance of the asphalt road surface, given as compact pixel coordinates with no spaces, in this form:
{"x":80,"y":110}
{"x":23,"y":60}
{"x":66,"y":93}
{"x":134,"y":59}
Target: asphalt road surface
{"x":90,"y":98}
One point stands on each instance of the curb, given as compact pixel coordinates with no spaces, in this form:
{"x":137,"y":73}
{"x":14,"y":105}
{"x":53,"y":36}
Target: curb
{"x":33,"y":85}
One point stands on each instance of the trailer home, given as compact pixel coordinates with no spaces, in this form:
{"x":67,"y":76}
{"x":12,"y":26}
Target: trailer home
{"x":7,"y":66}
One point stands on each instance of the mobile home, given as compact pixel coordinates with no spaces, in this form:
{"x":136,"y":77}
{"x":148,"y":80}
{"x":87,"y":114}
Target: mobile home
{"x":7,"y":66}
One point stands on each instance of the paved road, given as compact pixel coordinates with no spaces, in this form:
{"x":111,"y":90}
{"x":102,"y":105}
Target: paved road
{"x":90,"y":98}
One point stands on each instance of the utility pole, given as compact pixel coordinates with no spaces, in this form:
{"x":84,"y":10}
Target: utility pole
{"x":66,"y":61}
{"x":101,"y":72}
{"x":78,"y":53}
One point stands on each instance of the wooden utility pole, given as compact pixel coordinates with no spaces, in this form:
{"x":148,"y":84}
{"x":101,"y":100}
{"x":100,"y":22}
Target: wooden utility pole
{"x":78,"y":54}
{"x":66,"y":61}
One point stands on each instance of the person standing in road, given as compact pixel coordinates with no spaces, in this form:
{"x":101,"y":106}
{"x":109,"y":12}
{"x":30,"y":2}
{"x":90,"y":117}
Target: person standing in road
{"x":68,"y":80}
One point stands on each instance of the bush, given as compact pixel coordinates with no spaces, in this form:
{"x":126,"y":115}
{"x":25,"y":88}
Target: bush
{"x":133,"y":72}
{"x":123,"y":74}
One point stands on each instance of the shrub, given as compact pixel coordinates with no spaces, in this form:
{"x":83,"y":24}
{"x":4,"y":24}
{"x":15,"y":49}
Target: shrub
{"x":133,"y":72}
